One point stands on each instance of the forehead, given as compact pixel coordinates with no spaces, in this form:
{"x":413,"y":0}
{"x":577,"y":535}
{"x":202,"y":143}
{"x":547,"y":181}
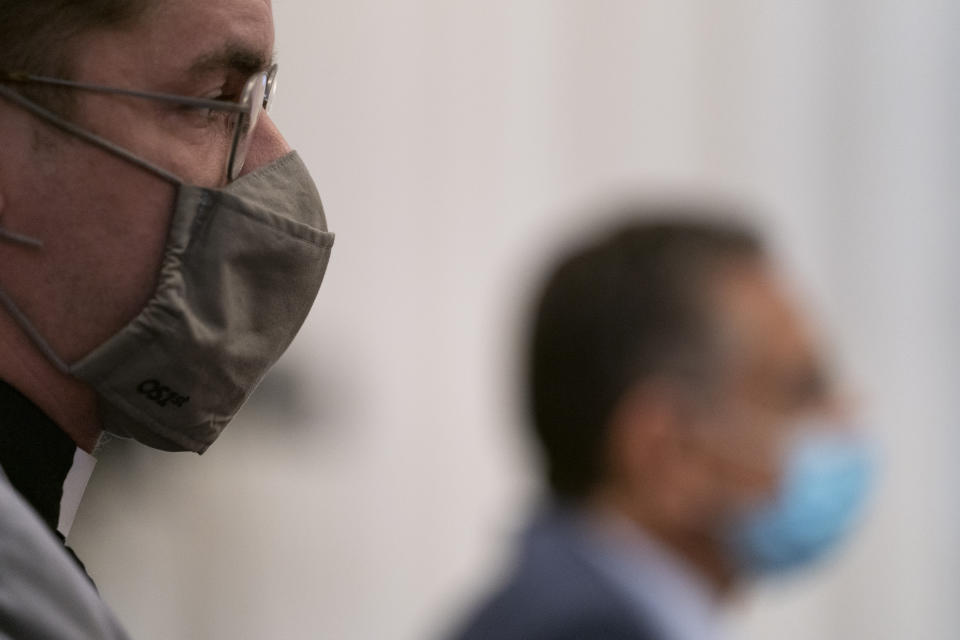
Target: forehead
{"x":191,"y":27}
{"x":176,"y":36}
{"x":760,"y":325}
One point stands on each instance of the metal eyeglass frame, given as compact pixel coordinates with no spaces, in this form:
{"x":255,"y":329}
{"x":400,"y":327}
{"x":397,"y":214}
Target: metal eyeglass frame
{"x":255,"y":98}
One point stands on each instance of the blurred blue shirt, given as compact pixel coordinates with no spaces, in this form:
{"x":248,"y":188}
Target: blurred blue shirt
{"x":667,"y":592}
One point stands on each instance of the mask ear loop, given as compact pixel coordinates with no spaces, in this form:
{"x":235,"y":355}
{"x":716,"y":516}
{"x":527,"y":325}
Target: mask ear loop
{"x":19,"y":317}
{"x":92,"y":138}
{"x":19,"y":238}
{"x":28,"y":328}
{"x":52,"y":118}
{"x":13,"y":236}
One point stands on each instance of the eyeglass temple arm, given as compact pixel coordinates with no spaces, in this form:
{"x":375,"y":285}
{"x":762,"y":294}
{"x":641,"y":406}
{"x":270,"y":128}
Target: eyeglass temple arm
{"x":200,"y":103}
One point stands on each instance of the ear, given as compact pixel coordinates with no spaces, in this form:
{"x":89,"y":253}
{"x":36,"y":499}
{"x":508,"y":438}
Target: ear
{"x":651,"y":461}
{"x":640,"y":432}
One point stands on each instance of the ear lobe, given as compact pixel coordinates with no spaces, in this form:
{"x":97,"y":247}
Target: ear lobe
{"x":653,"y":461}
{"x":642,"y":432}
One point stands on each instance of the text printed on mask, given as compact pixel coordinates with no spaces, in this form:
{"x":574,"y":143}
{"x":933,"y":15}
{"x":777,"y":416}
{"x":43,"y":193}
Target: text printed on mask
{"x":161,"y":394}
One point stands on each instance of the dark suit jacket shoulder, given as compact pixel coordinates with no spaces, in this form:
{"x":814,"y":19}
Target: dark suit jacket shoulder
{"x":554,"y":593}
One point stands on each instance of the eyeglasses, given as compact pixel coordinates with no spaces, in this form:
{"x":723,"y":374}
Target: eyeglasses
{"x":256,"y":96}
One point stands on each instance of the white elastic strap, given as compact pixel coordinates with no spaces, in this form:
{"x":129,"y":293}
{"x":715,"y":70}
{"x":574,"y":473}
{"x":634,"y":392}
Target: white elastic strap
{"x":73,"y":487}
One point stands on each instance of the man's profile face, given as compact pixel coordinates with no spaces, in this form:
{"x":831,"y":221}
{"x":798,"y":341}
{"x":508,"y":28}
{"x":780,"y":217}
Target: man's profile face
{"x":103,"y":221}
{"x":691,"y":452}
{"x":774,"y":381}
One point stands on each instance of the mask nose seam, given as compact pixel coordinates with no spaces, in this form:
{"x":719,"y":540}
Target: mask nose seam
{"x":204,"y":206}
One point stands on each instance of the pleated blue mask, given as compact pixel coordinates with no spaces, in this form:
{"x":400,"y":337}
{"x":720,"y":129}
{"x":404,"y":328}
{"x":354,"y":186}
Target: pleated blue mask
{"x":825,"y":479}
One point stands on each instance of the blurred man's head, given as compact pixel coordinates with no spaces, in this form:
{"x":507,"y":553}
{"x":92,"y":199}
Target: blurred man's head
{"x":668,"y":369}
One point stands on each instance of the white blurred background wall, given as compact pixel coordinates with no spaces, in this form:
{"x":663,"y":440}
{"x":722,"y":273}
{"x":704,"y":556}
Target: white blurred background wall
{"x":371,"y":488}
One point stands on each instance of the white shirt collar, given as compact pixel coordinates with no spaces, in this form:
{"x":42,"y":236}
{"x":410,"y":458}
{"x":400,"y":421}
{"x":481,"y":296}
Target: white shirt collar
{"x":660,"y":584}
{"x":73,"y":487}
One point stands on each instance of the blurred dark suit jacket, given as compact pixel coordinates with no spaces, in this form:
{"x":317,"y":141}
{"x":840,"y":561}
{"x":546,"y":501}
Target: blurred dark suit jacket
{"x":556,"y":594}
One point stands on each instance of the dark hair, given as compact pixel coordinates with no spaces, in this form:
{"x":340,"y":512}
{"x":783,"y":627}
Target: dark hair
{"x":36,"y":36}
{"x":614,"y":312}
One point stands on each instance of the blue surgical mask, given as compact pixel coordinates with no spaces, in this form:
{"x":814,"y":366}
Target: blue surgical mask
{"x":825,"y":479}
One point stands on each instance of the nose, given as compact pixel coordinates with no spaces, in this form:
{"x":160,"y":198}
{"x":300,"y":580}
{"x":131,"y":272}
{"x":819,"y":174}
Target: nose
{"x":266,"y":145}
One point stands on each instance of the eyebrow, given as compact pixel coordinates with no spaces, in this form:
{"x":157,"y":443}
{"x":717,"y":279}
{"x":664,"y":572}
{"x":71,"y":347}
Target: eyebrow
{"x":232,"y":56}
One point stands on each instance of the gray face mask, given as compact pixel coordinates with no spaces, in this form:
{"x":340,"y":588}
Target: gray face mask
{"x":241,"y":269}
